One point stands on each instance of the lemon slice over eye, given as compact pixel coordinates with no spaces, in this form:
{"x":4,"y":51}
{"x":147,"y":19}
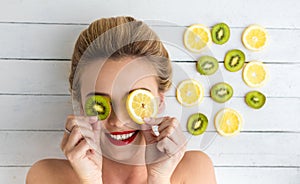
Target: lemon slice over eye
{"x":140,"y":104}
{"x":255,"y":38}
{"x":189,"y":92}
{"x":228,"y":122}
{"x":196,"y":37}
{"x":255,"y":74}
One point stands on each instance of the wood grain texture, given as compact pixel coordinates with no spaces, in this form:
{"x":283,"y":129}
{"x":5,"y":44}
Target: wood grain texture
{"x":51,"y":77}
{"x":50,"y":112}
{"x":44,"y":41}
{"x":276,"y":13}
{"x":37,"y":40}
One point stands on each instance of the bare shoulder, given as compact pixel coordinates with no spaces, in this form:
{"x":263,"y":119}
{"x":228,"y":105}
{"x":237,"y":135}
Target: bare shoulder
{"x":194,"y":167}
{"x":51,"y":171}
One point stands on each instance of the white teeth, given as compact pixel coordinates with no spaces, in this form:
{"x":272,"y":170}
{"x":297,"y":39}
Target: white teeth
{"x":121,"y":137}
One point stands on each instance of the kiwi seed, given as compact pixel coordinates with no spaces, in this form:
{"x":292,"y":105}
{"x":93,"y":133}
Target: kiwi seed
{"x":255,"y":99}
{"x":221,"y":92}
{"x":234,"y":60}
{"x":98,"y":105}
{"x":207,"y":65}
{"x":220,"y":33}
{"x":197,"y":124}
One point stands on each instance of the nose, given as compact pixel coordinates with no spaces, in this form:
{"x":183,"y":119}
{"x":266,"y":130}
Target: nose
{"x":113,"y":120}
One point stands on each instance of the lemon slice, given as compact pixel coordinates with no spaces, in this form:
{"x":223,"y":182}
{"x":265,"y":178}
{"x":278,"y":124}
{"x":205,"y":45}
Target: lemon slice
{"x":255,"y":74}
{"x":255,"y":38}
{"x":196,"y":37}
{"x":228,"y":122}
{"x":189,"y":92}
{"x":140,"y":104}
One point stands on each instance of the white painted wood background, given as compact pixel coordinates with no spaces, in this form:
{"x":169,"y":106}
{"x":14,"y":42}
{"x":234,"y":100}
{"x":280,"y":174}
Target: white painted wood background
{"x":36,"y":41}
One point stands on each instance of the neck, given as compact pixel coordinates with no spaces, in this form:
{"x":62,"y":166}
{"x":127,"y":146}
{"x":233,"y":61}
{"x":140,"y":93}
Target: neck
{"x":114,"y":172}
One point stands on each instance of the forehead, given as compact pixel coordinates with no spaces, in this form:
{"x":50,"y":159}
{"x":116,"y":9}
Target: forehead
{"x":112,"y":76}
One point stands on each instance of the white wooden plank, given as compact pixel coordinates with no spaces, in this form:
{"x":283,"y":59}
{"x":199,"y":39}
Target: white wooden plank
{"x":57,"y":41}
{"x":281,"y":83}
{"x":251,"y":149}
{"x":276,"y":13}
{"x":246,"y":149}
{"x":34,"y":77}
{"x":34,"y":112}
{"x":257,"y":175}
{"x":49,"y":113}
{"x":13,"y":175}
{"x":24,"y":148}
{"x":224,"y":175}
{"x":51,"y":77}
{"x":281,"y":41}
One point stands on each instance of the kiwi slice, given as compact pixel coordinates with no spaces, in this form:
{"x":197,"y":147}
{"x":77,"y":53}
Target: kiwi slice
{"x":221,"y":92}
{"x":220,"y":33}
{"x":234,"y":60}
{"x":207,"y":65}
{"x":98,"y":105}
{"x":255,"y":99}
{"x":197,"y":123}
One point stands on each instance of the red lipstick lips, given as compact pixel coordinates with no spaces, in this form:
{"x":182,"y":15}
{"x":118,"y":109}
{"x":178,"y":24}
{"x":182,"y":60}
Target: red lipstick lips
{"x":122,"y":138}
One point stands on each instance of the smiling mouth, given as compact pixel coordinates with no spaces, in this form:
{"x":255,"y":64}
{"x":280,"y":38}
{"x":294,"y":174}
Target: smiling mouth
{"x":122,"y":138}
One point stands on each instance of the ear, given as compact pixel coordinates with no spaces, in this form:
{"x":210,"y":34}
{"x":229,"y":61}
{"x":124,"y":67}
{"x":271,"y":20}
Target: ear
{"x":161,"y":106}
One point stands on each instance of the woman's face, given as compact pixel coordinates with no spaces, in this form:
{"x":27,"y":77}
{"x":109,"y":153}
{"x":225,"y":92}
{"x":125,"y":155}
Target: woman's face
{"x":117,"y":79}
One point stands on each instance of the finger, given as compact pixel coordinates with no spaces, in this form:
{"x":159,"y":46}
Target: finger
{"x":155,"y":121}
{"x":64,"y":140}
{"x":73,"y":140}
{"x":97,"y":128}
{"x":171,"y":122}
{"x":94,"y":156}
{"x":77,"y":120}
{"x":79,"y":151}
{"x":87,"y":133}
{"x":93,"y":145}
{"x":167,"y":132}
{"x":168,"y":146}
{"x":148,"y":134}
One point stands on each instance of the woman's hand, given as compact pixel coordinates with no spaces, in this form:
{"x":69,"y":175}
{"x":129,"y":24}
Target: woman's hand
{"x":82,"y":147}
{"x":165,"y":151}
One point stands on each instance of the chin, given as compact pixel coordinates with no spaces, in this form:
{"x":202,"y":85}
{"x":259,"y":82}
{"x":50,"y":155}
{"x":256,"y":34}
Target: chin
{"x":131,"y":154}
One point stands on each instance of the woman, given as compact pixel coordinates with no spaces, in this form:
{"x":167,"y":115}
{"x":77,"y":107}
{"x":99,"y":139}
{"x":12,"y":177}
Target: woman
{"x":114,"y":57}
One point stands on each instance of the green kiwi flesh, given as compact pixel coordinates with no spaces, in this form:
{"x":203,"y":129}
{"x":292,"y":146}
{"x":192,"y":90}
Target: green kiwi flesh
{"x":255,"y":99}
{"x":220,"y":33}
{"x":207,"y":65}
{"x":234,"y":60}
{"x":98,"y":105}
{"x":197,"y":124}
{"x":221,"y":92}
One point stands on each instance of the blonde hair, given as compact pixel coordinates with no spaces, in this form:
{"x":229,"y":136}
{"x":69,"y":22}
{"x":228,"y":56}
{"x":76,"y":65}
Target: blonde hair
{"x":115,"y":38}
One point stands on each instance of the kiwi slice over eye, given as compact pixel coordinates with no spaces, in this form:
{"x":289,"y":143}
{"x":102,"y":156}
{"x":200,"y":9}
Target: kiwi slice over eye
{"x":197,"y":123}
{"x":221,"y":92}
{"x":207,"y":65}
{"x":98,"y":105}
{"x":220,"y":33}
{"x":234,"y":60}
{"x":255,"y":99}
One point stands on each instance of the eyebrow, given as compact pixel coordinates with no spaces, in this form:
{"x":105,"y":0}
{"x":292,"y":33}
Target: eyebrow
{"x":105,"y":94}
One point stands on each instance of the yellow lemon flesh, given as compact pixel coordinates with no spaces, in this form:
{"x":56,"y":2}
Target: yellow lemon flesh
{"x":255,"y":74}
{"x":228,"y":122}
{"x":255,"y":38}
{"x":189,"y":92}
{"x":140,"y":104}
{"x":196,"y":37}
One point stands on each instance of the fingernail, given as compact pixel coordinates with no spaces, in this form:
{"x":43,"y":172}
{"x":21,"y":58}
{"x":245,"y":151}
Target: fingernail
{"x":93,"y":118}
